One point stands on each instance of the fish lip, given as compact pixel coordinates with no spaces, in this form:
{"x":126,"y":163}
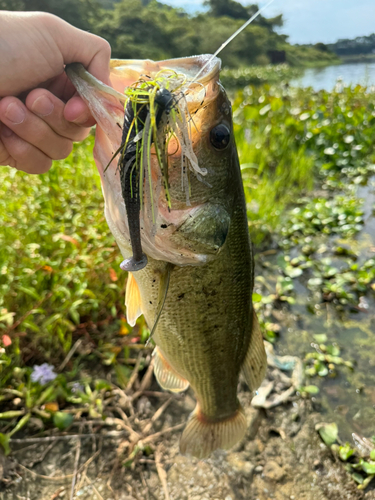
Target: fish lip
{"x":178,"y":64}
{"x":77,"y":72}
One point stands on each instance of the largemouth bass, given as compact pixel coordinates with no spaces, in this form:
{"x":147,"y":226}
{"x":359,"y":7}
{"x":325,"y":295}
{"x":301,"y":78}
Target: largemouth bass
{"x":200,"y":262}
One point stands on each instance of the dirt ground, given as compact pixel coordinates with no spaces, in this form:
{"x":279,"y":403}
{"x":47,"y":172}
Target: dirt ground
{"x":136,"y":457}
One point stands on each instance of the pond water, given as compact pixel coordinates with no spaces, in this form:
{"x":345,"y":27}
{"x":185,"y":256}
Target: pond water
{"x":326,"y":78}
{"x":348,"y":396}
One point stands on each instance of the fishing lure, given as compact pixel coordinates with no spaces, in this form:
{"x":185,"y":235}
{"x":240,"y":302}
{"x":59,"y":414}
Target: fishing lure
{"x":130,"y":176}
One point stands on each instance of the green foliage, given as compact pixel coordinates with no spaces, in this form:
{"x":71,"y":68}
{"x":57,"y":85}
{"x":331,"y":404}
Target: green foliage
{"x":81,"y":13}
{"x":139,"y":29}
{"x":229,"y":8}
{"x":353,"y":47}
{"x":309,"y":56}
{"x":258,"y":75}
{"x":361,"y":469}
{"x":286,"y":136}
{"x":56,"y":255}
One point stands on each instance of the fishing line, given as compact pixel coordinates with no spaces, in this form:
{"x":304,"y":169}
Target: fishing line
{"x":245,"y":25}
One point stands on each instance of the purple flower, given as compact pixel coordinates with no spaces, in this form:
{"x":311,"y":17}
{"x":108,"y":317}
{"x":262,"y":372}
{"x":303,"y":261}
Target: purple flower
{"x":77,"y":387}
{"x":43,"y":373}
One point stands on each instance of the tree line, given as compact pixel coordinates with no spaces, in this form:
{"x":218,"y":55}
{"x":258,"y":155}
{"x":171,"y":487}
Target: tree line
{"x":362,"y":45}
{"x":140,"y":29}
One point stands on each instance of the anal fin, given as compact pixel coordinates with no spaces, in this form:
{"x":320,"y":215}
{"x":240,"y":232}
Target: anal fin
{"x":255,"y":365}
{"x":132,"y":300}
{"x":167,"y":376}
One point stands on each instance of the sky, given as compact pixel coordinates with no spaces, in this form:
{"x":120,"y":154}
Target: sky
{"x":311,"y":21}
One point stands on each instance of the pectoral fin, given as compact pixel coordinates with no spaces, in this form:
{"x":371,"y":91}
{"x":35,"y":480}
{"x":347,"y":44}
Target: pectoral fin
{"x":166,"y":376}
{"x":132,"y":300}
{"x":255,"y":364}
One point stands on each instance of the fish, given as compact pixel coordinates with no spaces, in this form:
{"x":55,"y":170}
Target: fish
{"x":196,"y":290}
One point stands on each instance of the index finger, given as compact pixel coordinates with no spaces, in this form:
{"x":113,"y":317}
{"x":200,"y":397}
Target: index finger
{"x":79,"y":46}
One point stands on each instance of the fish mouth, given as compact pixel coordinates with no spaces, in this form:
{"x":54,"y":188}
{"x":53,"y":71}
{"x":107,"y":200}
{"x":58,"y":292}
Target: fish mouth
{"x":124,"y":73}
{"x":106,"y":103}
{"x":207,"y":65}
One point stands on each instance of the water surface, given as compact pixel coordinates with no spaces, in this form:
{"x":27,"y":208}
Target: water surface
{"x":326,"y":78}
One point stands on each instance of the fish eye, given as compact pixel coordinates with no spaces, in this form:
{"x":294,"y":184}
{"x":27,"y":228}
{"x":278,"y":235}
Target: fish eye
{"x":220,"y":136}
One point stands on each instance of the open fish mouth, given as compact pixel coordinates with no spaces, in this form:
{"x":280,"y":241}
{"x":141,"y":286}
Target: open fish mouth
{"x":194,"y":87}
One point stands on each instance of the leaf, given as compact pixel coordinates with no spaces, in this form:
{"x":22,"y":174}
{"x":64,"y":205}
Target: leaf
{"x":123,"y":374}
{"x":102,"y":384}
{"x":366,"y":482}
{"x":310,"y":389}
{"x":4,"y":442}
{"x":321,"y":338}
{"x":328,"y":432}
{"x":372,"y":454}
{"x":357,"y":477}
{"x":345,"y":452}
{"x":6,"y":340}
{"x":52,"y":406}
{"x":62,"y":420}
{"x":112,"y":274}
{"x":66,"y":237}
{"x":368,"y":468}
{"x":257,"y":297}
{"x":11,"y":414}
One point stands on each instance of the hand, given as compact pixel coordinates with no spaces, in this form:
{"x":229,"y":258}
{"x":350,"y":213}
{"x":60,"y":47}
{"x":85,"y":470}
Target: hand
{"x":41,"y":125}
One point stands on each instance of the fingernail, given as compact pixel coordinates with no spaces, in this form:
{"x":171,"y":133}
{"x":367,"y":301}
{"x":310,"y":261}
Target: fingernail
{"x":15,"y":113}
{"x":43,"y":106}
{"x":5,"y":131}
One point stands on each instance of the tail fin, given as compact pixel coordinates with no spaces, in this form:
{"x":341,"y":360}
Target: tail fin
{"x":203,"y":436}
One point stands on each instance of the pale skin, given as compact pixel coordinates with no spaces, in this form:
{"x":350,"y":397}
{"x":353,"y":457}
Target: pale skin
{"x":40,"y":114}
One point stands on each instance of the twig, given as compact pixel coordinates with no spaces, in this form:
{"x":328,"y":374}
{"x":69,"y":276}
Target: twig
{"x":60,"y":478}
{"x":122,"y":414}
{"x":145,"y":485}
{"x":134,"y":436}
{"x":69,"y":355}
{"x":48,"y":439}
{"x":49,"y":478}
{"x":76,"y":461}
{"x":156,"y":415}
{"x":155,"y":436}
{"x":134,"y":374}
{"x":161,"y":472}
{"x":43,"y":455}
{"x":57,"y":493}
{"x":97,"y":492}
{"x":146,"y":381}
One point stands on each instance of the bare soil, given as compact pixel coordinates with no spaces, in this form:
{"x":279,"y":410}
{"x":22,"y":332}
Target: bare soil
{"x":137,"y":457}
